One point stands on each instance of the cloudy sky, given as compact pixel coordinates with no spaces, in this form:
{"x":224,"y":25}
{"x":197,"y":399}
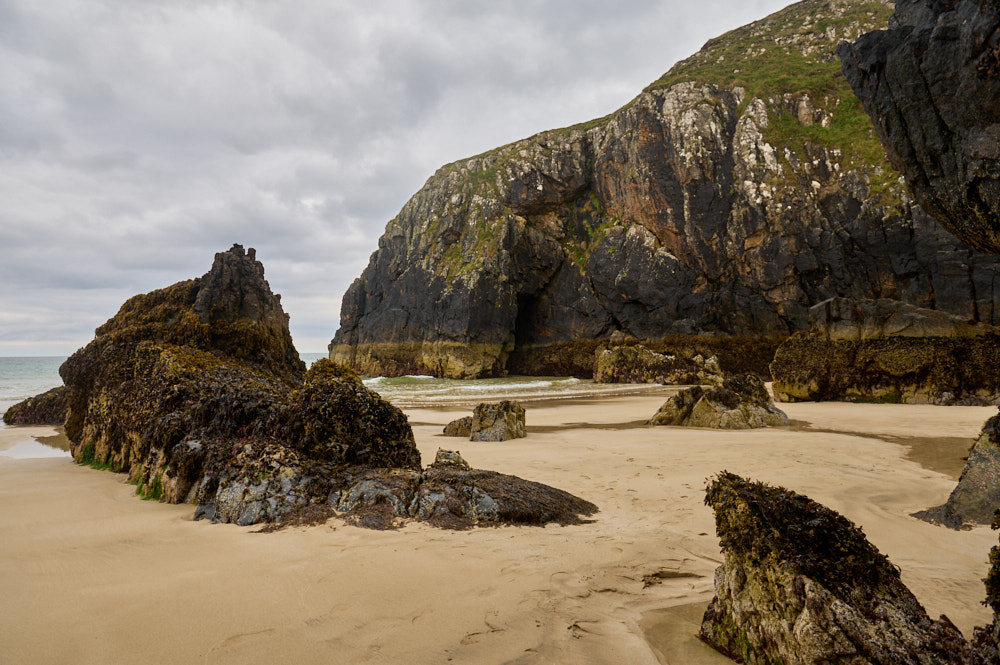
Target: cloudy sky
{"x":139,"y":138}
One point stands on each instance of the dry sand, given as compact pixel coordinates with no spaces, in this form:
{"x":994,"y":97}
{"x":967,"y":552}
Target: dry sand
{"x":91,"y":574}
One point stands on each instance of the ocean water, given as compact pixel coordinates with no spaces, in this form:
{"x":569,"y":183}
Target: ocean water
{"x":21,"y":378}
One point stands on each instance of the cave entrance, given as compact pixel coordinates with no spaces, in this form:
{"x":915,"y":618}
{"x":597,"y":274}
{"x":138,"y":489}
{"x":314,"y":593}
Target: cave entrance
{"x":526,"y":323}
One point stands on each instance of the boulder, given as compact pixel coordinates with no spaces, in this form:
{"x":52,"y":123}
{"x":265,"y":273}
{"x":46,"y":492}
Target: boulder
{"x":499,"y":421}
{"x":977,"y":496}
{"x":637,"y":364}
{"x":741,"y":402}
{"x":459,"y":427}
{"x":800,"y":584}
{"x":449,"y":459}
{"x":49,"y":408}
{"x":888,"y":351}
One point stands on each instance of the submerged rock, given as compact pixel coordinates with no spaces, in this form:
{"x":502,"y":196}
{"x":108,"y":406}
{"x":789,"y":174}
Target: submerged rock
{"x":459,"y":427}
{"x":741,"y":402}
{"x":498,"y":421}
{"x":637,"y":364}
{"x":49,"y":408}
{"x":977,"y":496}
{"x":196,"y":392}
{"x":800,"y":585}
{"x":887,"y":351}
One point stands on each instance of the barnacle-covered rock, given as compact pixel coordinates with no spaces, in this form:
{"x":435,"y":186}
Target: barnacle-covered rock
{"x":800,"y":584}
{"x":49,"y":408}
{"x":197,"y":392}
{"x":499,"y":421}
{"x":637,"y":364}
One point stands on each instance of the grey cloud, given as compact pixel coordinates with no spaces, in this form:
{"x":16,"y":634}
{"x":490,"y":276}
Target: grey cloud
{"x":137,"y":139}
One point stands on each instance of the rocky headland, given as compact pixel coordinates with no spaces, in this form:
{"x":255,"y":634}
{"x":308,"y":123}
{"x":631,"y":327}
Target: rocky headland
{"x":800,"y":584}
{"x":197,"y":393}
{"x":887,"y":351}
{"x":734,"y":193}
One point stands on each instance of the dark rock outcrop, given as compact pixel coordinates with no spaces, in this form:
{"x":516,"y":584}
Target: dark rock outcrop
{"x":637,"y":364}
{"x":886,"y":351}
{"x":931,"y":82}
{"x":977,"y":496}
{"x":734,"y":193}
{"x":459,"y":427}
{"x":741,"y":402}
{"x":499,"y":421}
{"x":196,"y":392}
{"x":49,"y":408}
{"x":800,"y":584}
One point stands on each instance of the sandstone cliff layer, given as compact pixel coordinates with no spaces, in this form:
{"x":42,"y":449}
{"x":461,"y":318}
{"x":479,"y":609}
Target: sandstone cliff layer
{"x":931,"y":83}
{"x":741,"y":188}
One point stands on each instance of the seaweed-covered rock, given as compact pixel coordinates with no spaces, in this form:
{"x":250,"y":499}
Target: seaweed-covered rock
{"x":197,"y":393}
{"x":637,"y":364}
{"x":459,"y":427}
{"x":741,"y":402}
{"x":499,"y":421}
{"x":931,"y":84}
{"x":800,"y":584}
{"x":49,"y":408}
{"x":977,"y":496}
{"x":888,"y":351}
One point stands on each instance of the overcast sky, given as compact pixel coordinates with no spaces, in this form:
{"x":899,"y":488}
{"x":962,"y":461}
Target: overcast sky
{"x":138,"y":138}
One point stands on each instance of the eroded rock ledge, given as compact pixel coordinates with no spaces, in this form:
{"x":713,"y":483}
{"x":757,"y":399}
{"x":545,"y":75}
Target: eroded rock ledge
{"x":887,"y":351}
{"x":197,"y":393}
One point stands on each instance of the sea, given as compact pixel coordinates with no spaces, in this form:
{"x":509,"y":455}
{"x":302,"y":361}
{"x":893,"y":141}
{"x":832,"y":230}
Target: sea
{"x":25,"y":377}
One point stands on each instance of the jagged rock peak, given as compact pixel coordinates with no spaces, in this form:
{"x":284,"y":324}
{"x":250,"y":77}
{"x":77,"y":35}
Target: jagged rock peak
{"x":931,"y":82}
{"x":735,"y":192}
{"x":230,"y":310}
{"x":235,"y":288}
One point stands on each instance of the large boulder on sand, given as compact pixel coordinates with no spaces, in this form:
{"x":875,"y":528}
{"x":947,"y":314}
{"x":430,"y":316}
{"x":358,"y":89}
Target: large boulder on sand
{"x":637,"y":364}
{"x":887,"y":351}
{"x":800,"y":585}
{"x":977,"y":496}
{"x":741,"y":402}
{"x":197,"y":393}
{"x":499,"y":421}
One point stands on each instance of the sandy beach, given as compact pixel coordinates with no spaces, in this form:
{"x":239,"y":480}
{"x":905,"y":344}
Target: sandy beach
{"x":91,"y":574}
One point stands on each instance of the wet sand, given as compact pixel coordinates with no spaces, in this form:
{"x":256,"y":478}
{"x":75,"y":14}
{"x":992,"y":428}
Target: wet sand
{"x":91,"y":574}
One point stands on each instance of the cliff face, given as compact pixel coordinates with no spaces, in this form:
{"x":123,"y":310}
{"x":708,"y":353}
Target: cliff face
{"x":931,"y":82}
{"x":731,"y":195}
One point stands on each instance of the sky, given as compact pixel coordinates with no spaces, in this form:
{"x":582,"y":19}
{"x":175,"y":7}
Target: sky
{"x":139,"y":138}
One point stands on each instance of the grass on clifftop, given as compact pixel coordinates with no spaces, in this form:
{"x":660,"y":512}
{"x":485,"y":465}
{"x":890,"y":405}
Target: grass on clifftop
{"x":791,"y":53}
